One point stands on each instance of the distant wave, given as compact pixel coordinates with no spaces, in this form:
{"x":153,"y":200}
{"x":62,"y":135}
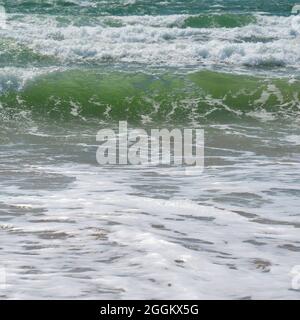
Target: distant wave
{"x":141,"y":7}
{"x":237,"y":41}
{"x":219,"y":21}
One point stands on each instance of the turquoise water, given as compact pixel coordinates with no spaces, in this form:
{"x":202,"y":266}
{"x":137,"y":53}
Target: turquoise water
{"x":70,"y":228}
{"x":147,"y":7}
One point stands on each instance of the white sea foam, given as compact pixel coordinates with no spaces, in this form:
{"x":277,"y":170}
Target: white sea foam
{"x":159,"y":40}
{"x":213,"y":254}
{"x":139,"y":232}
{"x":15,"y":78}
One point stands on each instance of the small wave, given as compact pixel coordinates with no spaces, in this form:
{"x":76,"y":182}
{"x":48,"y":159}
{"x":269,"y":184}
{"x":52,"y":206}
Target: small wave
{"x":219,"y":21}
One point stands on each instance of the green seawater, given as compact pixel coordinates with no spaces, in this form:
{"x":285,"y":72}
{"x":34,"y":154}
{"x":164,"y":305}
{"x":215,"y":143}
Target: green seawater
{"x":164,"y":98}
{"x":71,"y":228}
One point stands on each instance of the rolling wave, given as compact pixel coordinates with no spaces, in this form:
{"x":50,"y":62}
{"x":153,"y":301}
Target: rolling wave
{"x":146,"y":98}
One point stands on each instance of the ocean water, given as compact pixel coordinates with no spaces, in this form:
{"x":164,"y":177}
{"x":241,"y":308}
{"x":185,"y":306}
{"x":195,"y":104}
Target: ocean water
{"x":70,"y":228}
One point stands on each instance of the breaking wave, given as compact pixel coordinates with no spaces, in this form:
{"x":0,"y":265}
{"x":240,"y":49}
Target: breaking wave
{"x":146,"y":98}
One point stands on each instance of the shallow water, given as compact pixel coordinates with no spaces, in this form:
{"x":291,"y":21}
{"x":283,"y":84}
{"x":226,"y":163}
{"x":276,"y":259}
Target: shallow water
{"x":70,"y":228}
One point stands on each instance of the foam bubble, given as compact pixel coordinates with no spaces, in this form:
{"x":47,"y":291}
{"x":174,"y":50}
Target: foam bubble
{"x":158,"y":40}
